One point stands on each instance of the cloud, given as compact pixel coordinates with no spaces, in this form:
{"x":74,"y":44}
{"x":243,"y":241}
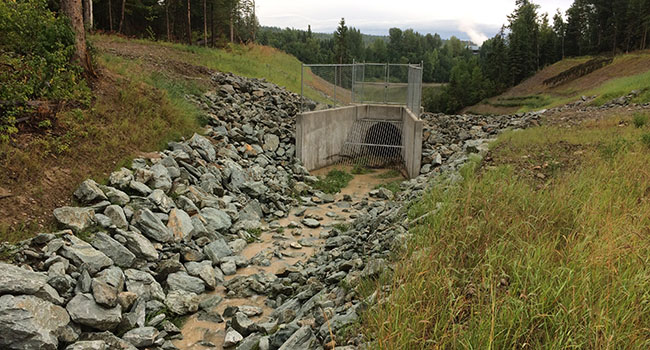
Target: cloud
{"x":474,"y":34}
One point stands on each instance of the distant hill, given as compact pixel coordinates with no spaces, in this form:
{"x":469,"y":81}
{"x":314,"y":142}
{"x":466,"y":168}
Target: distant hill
{"x":626,"y":73}
{"x":367,"y":38}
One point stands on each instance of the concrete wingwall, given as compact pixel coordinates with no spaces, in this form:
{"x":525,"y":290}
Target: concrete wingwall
{"x":411,"y":142}
{"x":321,"y":135}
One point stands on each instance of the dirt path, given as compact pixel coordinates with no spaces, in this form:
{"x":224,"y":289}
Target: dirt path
{"x":296,"y":243}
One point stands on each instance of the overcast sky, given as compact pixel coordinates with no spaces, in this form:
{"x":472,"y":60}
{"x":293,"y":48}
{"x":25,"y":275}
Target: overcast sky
{"x":467,"y":19}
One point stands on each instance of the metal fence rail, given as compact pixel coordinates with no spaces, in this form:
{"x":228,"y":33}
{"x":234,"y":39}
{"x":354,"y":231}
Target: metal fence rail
{"x":382,"y":83}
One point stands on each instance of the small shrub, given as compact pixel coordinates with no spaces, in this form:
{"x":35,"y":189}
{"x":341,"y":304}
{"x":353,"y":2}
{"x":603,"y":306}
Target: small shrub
{"x":333,"y":182}
{"x":640,"y":120}
{"x":645,"y":139}
{"x":342,"y":227}
{"x":36,"y":47}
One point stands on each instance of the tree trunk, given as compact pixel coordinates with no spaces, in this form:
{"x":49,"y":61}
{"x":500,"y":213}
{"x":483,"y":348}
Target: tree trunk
{"x":73,"y":10}
{"x":189,"y":24}
{"x":254,"y":28}
{"x":122,"y":16}
{"x":205,"y":23}
{"x":232,"y":27}
{"x":110,"y":16}
{"x":212,"y":23}
{"x":169,"y":35}
{"x":88,"y":14}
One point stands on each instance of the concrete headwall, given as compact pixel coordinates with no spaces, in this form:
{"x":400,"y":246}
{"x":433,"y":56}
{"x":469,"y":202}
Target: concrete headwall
{"x":411,"y":142}
{"x":321,"y":135}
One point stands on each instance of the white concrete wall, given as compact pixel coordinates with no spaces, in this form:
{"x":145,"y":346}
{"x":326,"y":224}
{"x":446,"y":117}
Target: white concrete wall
{"x":320,"y":135}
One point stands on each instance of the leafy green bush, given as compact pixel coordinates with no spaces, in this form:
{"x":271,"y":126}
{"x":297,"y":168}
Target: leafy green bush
{"x":640,"y":119}
{"x":36,"y":47}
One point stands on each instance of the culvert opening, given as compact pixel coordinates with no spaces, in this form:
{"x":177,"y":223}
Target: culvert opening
{"x":374,"y":144}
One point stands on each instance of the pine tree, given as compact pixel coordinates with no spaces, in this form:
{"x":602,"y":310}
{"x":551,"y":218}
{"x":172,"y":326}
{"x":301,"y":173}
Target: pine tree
{"x":341,"y":42}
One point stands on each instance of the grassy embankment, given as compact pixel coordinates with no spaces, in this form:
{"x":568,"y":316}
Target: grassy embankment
{"x":138,"y":106}
{"x":628,"y":72}
{"x":547,"y":246}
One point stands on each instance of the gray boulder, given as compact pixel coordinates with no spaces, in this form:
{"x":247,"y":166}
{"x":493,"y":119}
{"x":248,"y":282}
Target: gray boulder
{"x":182,"y":302}
{"x":117,"y":216}
{"x":88,"y":345}
{"x":302,"y":339}
{"x":143,"y":285}
{"x":311,"y":223}
{"x":151,"y":226}
{"x":89,"y":192}
{"x":141,"y":337}
{"x":271,"y":142}
{"x":140,"y":245}
{"x":180,"y":224}
{"x":114,"y":343}
{"x":204,"y":147}
{"x":232,"y":338}
{"x":16,"y":280}
{"x":216,"y":220}
{"x":121,"y":178}
{"x":30,"y":323}
{"x":85,"y":311}
{"x":161,"y":200}
{"x":204,"y":271}
{"x":120,"y":255}
{"x":81,"y":254}
{"x":217,"y":250}
{"x":161,"y":179}
{"x":115,"y":196}
{"x":76,"y":219}
{"x":182,"y":281}
{"x":242,"y":324}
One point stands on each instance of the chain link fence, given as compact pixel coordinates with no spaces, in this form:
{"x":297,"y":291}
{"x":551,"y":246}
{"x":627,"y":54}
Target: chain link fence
{"x":371,"y":83}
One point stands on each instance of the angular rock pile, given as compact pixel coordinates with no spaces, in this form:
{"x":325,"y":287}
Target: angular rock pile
{"x":447,"y":139}
{"x":157,"y":235}
{"x":143,"y":249}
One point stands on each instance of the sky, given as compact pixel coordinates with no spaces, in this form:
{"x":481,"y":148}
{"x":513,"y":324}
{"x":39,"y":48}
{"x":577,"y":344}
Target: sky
{"x":467,"y":19}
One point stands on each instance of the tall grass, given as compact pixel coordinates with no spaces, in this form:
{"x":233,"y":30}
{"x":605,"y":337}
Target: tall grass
{"x":505,"y":264}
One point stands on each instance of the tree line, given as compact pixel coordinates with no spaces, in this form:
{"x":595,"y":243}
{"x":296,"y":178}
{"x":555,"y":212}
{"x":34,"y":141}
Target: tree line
{"x":529,"y":41}
{"x":203,"y":22}
{"x":348,"y":44}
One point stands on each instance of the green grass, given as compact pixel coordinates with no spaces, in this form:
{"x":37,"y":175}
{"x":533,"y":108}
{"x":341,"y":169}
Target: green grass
{"x":393,"y":186}
{"x":333,"y":182}
{"x":531,"y":102}
{"x":640,"y":119}
{"x":622,"y":86}
{"x":507,"y":264}
{"x":342,"y":227}
{"x":252,"y":61}
{"x":645,"y":139}
{"x":359,"y":169}
{"x":389,"y":174}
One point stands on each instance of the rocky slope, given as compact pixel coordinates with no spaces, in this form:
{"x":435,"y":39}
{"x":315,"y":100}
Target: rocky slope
{"x":165,"y":238}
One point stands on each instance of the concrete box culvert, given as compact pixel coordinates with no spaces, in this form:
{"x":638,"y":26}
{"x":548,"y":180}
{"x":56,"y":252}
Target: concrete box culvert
{"x":324,"y":137}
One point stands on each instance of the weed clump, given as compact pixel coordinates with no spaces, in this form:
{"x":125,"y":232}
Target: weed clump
{"x":640,"y":120}
{"x":645,"y":139}
{"x":333,"y":182}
